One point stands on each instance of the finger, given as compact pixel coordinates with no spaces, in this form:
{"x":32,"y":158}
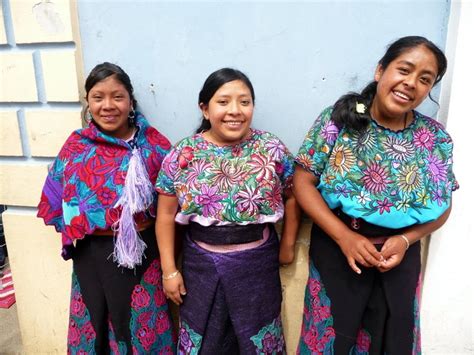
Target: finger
{"x":182,"y":289}
{"x":353,"y":265}
{"x":177,"y":298}
{"x":360,"y":259}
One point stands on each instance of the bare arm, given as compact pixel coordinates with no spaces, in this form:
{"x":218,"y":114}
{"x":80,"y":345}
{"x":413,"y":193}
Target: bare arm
{"x":395,"y":247}
{"x":165,"y":235}
{"x":291,"y":224}
{"x":355,"y":247}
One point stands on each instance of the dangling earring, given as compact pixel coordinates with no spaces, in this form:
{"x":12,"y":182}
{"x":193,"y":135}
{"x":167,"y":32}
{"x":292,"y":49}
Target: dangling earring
{"x":131,"y":117}
{"x":89,"y":117}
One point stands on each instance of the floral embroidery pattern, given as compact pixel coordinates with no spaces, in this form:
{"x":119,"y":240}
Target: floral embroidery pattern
{"x":269,"y":339}
{"x":393,"y":179}
{"x":241,"y":183}
{"x":87,"y":178}
{"x":317,"y":332}
{"x":189,"y":342}
{"x":150,"y":322}
{"x":362,"y":344}
{"x":416,"y":311}
{"x":81,"y":335}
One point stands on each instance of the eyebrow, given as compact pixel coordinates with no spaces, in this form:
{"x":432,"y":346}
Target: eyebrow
{"x":410,"y":64}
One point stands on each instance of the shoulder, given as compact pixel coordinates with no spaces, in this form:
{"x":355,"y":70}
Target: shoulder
{"x":152,"y":135}
{"x":433,"y":125}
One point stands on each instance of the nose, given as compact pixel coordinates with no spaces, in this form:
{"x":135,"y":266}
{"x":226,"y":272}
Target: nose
{"x":234,"y":107}
{"x":410,"y":80}
{"x":107,"y":103}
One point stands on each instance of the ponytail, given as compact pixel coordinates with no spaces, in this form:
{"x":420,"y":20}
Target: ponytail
{"x":344,"y":113}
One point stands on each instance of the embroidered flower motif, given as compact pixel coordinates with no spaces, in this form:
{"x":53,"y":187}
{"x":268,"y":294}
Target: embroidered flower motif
{"x":409,"y":178}
{"x":106,"y":196}
{"x":185,"y":156}
{"x":275,"y":148}
{"x":365,"y":141}
{"x":341,"y":159}
{"x":330,"y":132}
{"x":140,"y":297}
{"x":209,"y":200}
{"x":363,"y":197}
{"x":375,"y":178}
{"x":227,"y":174}
{"x":424,"y":138}
{"x":262,"y":166}
{"x":248,"y":200}
{"x":152,"y":274}
{"x":196,"y":172}
{"x":363,"y":341}
{"x":399,"y":149}
{"x":342,"y":190}
{"x":384,"y":206}
{"x":403,"y":204}
{"x":438,"y":170}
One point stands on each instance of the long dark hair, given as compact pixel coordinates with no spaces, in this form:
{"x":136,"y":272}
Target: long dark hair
{"x":213,"y":83}
{"x":344,"y":112}
{"x":103,"y":71}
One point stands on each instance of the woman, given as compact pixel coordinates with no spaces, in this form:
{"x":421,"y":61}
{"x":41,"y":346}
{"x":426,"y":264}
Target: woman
{"x":375,"y":176}
{"x":231,"y":183}
{"x":99,"y":195}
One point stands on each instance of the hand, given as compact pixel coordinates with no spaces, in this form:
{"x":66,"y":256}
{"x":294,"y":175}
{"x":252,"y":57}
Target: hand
{"x":359,"y":249}
{"x":393,"y":251}
{"x":287,"y":254}
{"x":174,"y":289}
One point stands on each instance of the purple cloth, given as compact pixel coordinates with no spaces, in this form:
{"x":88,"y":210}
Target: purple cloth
{"x":233,"y":300}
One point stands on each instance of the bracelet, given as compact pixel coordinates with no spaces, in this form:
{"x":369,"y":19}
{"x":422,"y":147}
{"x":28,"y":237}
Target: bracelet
{"x":404,"y":237}
{"x":171,"y":276}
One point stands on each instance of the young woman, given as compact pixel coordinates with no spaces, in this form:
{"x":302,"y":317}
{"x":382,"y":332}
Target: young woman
{"x":99,"y":195}
{"x":375,"y":176}
{"x":229,"y":184}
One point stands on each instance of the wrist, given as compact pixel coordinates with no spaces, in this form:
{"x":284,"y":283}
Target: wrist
{"x":171,"y":275}
{"x":405,"y":239}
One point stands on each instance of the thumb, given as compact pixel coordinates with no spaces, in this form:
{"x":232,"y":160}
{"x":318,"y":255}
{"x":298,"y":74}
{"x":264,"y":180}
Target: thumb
{"x":182,"y":289}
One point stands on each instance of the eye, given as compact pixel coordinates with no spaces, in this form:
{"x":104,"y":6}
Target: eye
{"x":222,"y":102}
{"x":245,"y":102}
{"x":426,"y":80}
{"x":403,"y":70}
{"x":118,"y":97}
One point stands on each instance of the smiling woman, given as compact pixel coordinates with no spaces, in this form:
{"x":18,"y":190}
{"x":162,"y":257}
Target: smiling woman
{"x":375,"y":176}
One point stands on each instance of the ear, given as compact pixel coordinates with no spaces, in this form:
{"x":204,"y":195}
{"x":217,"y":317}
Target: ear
{"x":378,"y":73}
{"x":205,"y":110}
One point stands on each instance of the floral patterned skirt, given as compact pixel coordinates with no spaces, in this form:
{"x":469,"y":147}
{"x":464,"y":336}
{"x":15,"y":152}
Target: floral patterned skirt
{"x":233,"y":301}
{"x":115,"y":310}
{"x":370,"y":313}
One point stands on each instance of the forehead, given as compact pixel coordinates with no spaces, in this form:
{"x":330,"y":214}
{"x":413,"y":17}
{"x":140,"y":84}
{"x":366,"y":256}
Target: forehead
{"x":111,"y":83}
{"x":235,"y":87}
{"x":420,"y":57}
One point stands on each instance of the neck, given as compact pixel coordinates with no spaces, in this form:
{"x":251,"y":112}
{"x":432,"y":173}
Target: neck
{"x":393,"y":123}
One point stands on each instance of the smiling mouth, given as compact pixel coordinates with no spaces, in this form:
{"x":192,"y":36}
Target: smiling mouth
{"x":234,"y":123}
{"x":401,"y":95}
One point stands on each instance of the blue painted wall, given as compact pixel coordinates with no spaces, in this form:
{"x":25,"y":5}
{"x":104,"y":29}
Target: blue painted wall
{"x":300,"y":56}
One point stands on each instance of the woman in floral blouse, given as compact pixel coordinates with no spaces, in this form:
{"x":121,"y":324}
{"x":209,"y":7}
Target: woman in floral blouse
{"x":99,"y":195}
{"x":229,"y":184}
{"x":375,"y":176}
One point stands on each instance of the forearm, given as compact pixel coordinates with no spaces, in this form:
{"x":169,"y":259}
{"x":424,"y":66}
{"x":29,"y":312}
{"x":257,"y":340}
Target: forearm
{"x":165,"y":234}
{"x":291,"y":220}
{"x":418,"y":231}
{"x":311,"y":201}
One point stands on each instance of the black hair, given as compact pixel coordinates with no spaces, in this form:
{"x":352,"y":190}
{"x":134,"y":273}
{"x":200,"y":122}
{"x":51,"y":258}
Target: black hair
{"x":213,"y":83}
{"x":344,"y":112}
{"x":103,"y":71}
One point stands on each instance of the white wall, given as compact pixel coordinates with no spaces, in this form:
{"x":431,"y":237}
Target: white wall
{"x":447,"y":302}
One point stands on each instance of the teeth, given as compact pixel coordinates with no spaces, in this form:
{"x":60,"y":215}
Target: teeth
{"x":403,"y":96}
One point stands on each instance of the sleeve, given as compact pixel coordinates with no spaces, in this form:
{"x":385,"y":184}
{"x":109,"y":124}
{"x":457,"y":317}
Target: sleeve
{"x":317,"y":145}
{"x":167,"y":175}
{"x":50,"y":205}
{"x":447,"y":155}
{"x":288,"y":168}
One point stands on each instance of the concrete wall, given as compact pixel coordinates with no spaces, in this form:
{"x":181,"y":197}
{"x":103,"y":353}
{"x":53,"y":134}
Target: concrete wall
{"x":40,"y":80}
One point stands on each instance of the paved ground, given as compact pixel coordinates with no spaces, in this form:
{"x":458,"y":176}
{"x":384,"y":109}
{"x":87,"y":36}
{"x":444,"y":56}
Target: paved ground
{"x":10,"y":339}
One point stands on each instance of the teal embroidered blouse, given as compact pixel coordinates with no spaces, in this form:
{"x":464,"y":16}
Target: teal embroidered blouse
{"x":391,"y":179}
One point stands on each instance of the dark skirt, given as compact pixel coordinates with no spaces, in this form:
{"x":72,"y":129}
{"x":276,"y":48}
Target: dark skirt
{"x":233,"y":301}
{"x":370,"y":313}
{"x":115,"y":310}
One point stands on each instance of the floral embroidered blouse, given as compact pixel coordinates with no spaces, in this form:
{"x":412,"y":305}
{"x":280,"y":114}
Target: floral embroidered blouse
{"x":86,"y":180}
{"x":237,"y":184}
{"x":392,"y":179}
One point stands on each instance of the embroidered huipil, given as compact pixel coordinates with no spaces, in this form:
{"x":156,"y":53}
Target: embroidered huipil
{"x":392,"y":179}
{"x":237,"y":184}
{"x":87,"y":177}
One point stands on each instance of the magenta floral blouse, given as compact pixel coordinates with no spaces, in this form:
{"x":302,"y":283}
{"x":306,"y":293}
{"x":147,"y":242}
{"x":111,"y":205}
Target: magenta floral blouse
{"x":391,"y":179}
{"x":238,"y":184}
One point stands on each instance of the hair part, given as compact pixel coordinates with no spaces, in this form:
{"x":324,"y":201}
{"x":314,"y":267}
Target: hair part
{"x":344,"y":112}
{"x":214,"y":83}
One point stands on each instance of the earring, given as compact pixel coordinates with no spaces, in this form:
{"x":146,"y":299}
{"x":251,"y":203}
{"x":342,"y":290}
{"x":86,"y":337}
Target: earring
{"x":89,"y":117}
{"x":131,"y":117}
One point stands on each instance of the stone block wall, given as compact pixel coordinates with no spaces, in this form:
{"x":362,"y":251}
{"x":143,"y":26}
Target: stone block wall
{"x":40,"y":80}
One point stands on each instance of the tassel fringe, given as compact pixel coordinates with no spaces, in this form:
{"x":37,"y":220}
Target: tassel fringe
{"x":137,"y":196}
